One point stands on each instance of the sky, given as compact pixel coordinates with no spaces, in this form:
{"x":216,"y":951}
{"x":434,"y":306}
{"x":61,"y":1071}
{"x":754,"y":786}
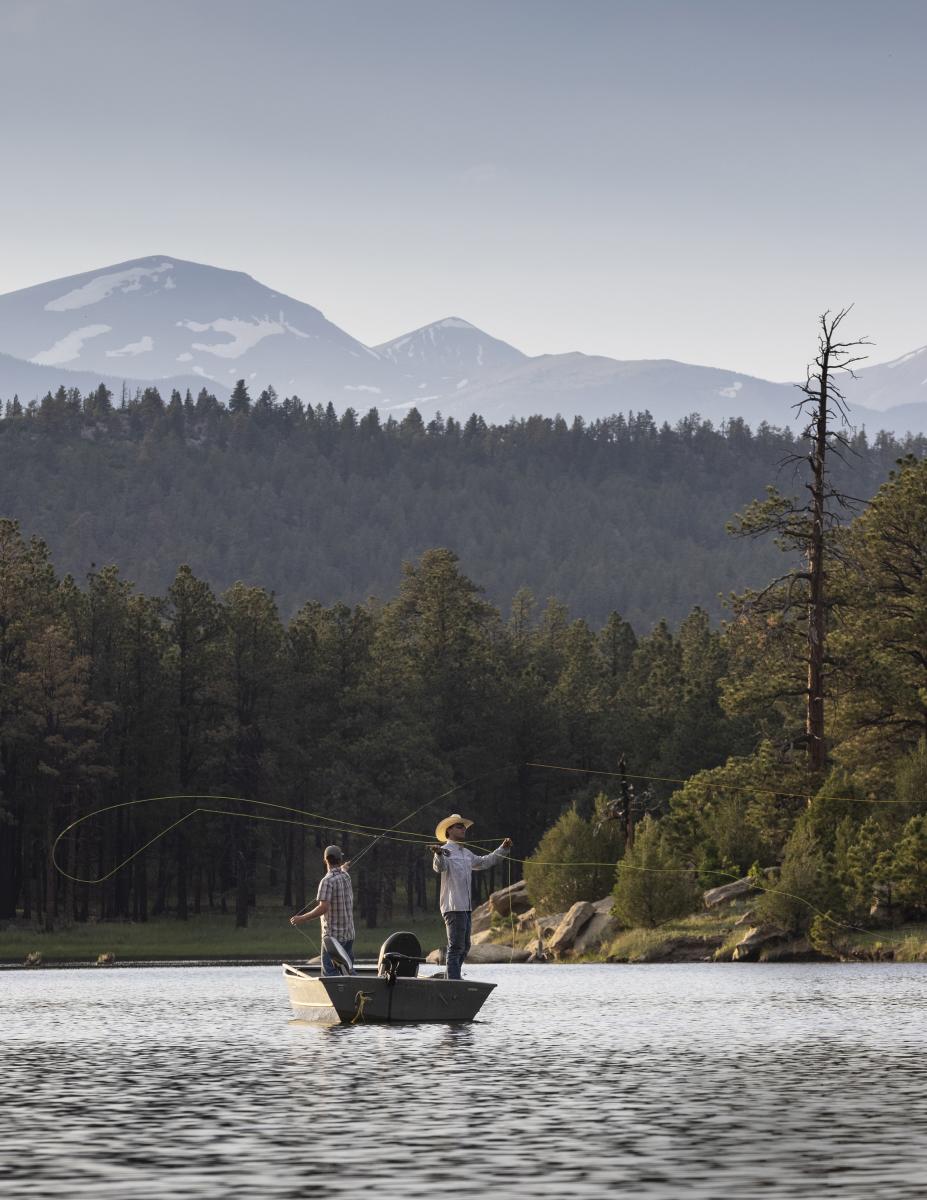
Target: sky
{"x":694,"y":180}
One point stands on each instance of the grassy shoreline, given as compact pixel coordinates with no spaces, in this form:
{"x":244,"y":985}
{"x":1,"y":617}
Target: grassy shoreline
{"x":268,"y":936}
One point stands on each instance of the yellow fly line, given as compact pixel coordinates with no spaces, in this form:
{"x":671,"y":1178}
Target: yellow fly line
{"x":323,"y":822}
{"x":718,"y":785}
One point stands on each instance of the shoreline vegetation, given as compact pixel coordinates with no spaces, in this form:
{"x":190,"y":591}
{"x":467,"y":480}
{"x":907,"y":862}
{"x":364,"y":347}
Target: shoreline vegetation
{"x":729,"y":931}
{"x":699,"y":937}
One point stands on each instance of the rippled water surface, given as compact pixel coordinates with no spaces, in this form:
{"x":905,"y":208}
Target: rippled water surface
{"x":690,"y":1080}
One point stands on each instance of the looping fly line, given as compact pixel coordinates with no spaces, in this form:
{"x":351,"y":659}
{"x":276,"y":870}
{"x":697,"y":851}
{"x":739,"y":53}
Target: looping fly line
{"x":393,"y":833}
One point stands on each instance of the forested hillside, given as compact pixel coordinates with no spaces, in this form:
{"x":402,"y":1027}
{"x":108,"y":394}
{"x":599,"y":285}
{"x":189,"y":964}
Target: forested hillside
{"x":617,"y":515}
{"x":353,"y":719}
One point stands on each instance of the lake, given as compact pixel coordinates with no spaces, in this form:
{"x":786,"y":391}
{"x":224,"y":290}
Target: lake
{"x":702,"y":1080}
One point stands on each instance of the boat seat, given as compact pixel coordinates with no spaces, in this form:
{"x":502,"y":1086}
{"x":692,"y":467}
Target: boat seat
{"x":339,"y":956}
{"x":400,"y":956}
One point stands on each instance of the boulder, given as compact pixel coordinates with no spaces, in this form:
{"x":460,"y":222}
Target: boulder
{"x":747,"y":918}
{"x":507,"y":900}
{"x":489,"y":953}
{"x":481,"y":918}
{"x":526,"y":919}
{"x":602,"y":927}
{"x":795,"y":950}
{"x":484,"y":936}
{"x":729,"y":891}
{"x":569,"y":928}
{"x":758,"y":938}
{"x":436,"y":957}
{"x":547,"y":926}
{"x":684,"y":949}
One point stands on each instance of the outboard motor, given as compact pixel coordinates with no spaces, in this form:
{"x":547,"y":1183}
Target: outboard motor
{"x":400,"y":956}
{"x":339,"y":956}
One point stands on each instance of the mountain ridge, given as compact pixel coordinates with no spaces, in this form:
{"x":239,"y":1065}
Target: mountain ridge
{"x":177,"y":323}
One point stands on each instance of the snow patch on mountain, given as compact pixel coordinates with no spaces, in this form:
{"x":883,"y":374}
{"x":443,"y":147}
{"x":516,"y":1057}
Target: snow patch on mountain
{"x":730,"y":393}
{"x":99,"y":288}
{"x":244,"y":334}
{"x":142,"y":346}
{"x":68,"y":348}
{"x":897,"y":362}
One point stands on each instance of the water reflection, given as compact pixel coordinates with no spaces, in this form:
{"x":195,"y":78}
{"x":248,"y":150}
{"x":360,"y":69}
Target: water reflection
{"x":695,"y":1079}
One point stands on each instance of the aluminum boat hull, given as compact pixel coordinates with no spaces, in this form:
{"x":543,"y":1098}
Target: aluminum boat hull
{"x":374,"y":999}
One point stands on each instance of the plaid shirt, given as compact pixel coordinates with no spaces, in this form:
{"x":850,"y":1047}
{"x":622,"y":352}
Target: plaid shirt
{"x":336,"y":888}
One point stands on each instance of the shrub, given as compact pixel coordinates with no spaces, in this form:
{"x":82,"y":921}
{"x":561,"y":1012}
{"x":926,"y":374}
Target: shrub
{"x":806,"y":884}
{"x":572,"y":862}
{"x":653,"y":884}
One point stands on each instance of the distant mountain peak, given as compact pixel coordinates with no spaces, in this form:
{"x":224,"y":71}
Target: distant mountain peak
{"x":160,"y":316}
{"x":447,"y":355}
{"x":455,"y":323}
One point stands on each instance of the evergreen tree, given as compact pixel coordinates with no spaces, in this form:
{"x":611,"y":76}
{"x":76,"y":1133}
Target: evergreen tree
{"x":240,"y":400}
{"x":652,"y":884}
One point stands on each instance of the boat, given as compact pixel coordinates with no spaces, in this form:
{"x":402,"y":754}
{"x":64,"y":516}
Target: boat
{"x":389,"y":990}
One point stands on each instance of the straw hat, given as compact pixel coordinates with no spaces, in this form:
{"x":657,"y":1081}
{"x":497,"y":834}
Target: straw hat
{"x":443,"y":826}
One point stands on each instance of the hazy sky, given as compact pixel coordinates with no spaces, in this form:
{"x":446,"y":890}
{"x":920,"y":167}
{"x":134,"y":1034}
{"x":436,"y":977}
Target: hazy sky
{"x":639,"y":178}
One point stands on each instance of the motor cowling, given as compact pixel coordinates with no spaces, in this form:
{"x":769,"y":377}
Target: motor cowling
{"x":400,"y":956}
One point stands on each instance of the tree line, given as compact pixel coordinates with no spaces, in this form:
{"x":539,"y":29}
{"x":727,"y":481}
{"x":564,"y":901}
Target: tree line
{"x":344,"y":716}
{"x":621,"y":513}
{"x":360,"y":715}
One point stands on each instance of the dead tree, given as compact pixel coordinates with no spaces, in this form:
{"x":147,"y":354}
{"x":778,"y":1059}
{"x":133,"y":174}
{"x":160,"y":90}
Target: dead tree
{"x":810,"y":527}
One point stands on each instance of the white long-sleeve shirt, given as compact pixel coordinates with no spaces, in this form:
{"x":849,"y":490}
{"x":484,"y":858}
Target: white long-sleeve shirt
{"x":455,"y":867}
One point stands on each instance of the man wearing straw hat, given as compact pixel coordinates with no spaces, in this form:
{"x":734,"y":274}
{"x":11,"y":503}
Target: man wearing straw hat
{"x":455,"y":864}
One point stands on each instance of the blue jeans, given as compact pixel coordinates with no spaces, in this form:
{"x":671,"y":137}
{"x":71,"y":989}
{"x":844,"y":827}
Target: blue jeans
{"x":458,"y":941}
{"x":328,"y":966}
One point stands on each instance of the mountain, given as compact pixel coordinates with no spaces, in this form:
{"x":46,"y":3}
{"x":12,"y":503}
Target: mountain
{"x":591,"y":386}
{"x":901,"y":383}
{"x":176,"y":323}
{"x":447,"y":356}
{"x":154,"y":318}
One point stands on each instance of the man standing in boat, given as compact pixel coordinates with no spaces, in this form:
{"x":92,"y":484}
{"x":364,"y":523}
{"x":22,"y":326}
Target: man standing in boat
{"x":455,"y":864}
{"x":335,"y":907}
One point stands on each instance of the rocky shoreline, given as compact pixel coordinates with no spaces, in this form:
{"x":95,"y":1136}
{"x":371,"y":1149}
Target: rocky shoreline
{"x":507,"y":928}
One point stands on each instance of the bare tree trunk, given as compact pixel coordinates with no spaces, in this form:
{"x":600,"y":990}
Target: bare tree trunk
{"x":288,"y":867}
{"x":300,"y":872}
{"x":51,"y":875}
{"x":182,"y":872}
{"x":817,"y":626}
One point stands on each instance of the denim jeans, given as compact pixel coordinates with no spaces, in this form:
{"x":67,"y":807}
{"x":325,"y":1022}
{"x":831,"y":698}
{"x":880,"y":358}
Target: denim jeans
{"x":458,"y":941}
{"x":328,"y":966}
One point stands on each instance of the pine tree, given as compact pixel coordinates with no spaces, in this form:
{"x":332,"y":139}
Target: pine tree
{"x":240,"y":400}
